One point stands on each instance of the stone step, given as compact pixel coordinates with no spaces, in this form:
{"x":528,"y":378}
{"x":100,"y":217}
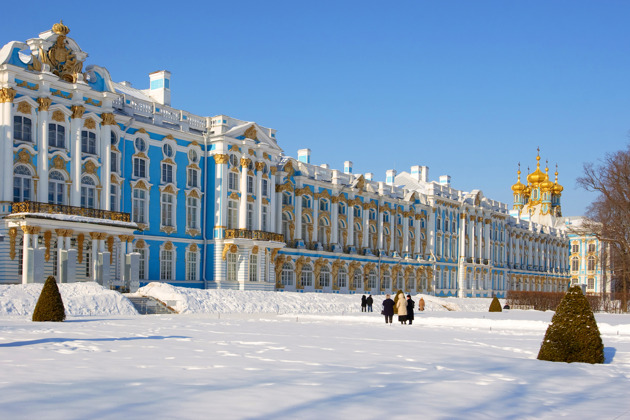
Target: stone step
{"x":149,"y":306}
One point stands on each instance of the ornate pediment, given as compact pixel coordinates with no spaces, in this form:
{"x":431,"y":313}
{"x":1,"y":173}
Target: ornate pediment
{"x":60,"y":58}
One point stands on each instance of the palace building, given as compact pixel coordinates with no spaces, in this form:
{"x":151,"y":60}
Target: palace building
{"x":106,"y":182}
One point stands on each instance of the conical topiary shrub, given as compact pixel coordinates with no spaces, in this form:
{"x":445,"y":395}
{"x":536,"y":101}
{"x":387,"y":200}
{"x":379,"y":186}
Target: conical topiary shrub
{"x":495,"y":306}
{"x":573,"y":335}
{"x":49,"y":305}
{"x":399,"y":295}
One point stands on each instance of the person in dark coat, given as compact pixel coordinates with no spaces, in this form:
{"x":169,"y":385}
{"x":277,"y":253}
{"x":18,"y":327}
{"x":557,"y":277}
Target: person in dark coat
{"x":363,"y":303}
{"x":369,"y":302}
{"x":388,"y":309}
{"x":410,"y":304}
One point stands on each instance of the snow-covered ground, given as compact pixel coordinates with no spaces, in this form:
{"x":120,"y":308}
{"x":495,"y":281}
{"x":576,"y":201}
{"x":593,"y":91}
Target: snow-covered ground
{"x":260,"y":355}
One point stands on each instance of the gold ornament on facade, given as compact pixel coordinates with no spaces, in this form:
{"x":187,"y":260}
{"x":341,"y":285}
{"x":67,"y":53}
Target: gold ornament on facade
{"x":44,"y":103}
{"x":108,"y":119}
{"x":24,"y":107}
{"x":245,"y":162}
{"x":77,"y":111}
{"x":255,"y":250}
{"x":260,"y":166}
{"x":7,"y":95}
{"x":193,"y":248}
{"x":251,"y":152}
{"x":58,"y":116}
{"x":278,"y":263}
{"x":89,"y":124}
{"x":168,"y":246}
{"x":141,"y":131}
{"x":110,"y":248}
{"x":141,"y":185}
{"x":12,"y":236}
{"x":233,"y":196}
{"x":24,"y":156}
{"x":80,"y":239}
{"x":90,"y":167}
{"x":47,"y":238}
{"x":251,"y":133}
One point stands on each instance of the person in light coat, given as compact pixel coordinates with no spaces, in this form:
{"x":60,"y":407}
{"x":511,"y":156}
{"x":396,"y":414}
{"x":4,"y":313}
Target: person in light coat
{"x":401,"y":309}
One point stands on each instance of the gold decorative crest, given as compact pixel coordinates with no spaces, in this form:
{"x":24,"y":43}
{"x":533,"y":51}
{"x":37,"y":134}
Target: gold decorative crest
{"x":62,"y":60}
{"x":250,"y":133}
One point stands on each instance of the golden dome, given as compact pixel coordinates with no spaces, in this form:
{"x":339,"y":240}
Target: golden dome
{"x":60,"y":28}
{"x":557,"y":188}
{"x":518,"y":187}
{"x":547,"y":185}
{"x":537,"y":176}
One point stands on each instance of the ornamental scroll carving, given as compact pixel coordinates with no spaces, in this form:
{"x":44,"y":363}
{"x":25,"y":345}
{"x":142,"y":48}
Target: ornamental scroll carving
{"x":108,"y":119}
{"x":61,"y":60}
{"x":336,"y":266}
{"x":7,"y":95}
{"x":221,"y":159}
{"x":251,"y":133}
{"x":317,"y":268}
{"x":12,"y":236}
{"x":278,"y":262}
{"x":44,"y":103}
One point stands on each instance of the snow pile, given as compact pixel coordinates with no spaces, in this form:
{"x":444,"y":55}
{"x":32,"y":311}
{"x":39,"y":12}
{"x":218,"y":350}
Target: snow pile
{"x":79,"y":299}
{"x":195,"y":301}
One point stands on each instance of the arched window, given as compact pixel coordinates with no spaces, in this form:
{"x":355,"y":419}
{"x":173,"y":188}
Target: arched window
{"x":591,"y":263}
{"x":22,"y":183}
{"x":286,"y":198}
{"x":307,"y":276}
{"x":286,"y":226}
{"x":306,"y":222}
{"x":372,"y":279}
{"x":341,"y":227}
{"x":142,"y":262}
{"x":323,"y":205}
{"x":287,"y":275}
{"x":575,"y":264}
{"x":387,"y":279}
{"x":56,"y":188}
{"x":321,"y":231}
{"x":400,"y":283}
{"x":324,"y":277}
{"x":306,"y":202}
{"x":88,"y":193}
{"x":357,"y":282}
{"x":342,"y":278}
{"x":357,"y":231}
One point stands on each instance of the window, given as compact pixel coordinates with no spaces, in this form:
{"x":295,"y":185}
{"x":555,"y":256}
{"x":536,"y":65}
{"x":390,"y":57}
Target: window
{"x":193,"y":156}
{"x":324,"y":277}
{"x":575,"y":247}
{"x":591,"y":248}
{"x":321,"y":231}
{"x":306,"y":202}
{"x":305,"y":225}
{"x":287,"y":275}
{"x":265,"y":188}
{"x":232,"y":216}
{"x":401,"y":281}
{"x":139,"y":167}
{"x":232,"y":260}
{"x":142,"y":263}
{"x":167,"y":149}
{"x":191,"y":213}
{"x":167,"y":173}
{"x":385,"y":217}
{"x":250,"y":184}
{"x":356,"y":280}
{"x":113,"y":198}
{"x":264,"y":219}
{"x":575,"y":264}
{"x":250,"y":216}
{"x":193,"y":178}
{"x":341,"y":209}
{"x":191,"y":266}
{"x":113,"y":140}
{"x":22,"y":128}
{"x":591,"y":264}
{"x":233,"y":181}
{"x":286,"y":227}
{"x":166,"y":265}
{"x":386,"y":281}
{"x":372,"y":280}
{"x":286,"y":199}
{"x":141,"y":144}
{"x":88,"y":142}
{"x":113,"y":162}
{"x":307,"y":276}
{"x":253,"y":267}
{"x":323,"y":205}
{"x":167,"y":210}
{"x":372,"y":214}
{"x":56,"y":188}
{"x":591,"y":284}
{"x":56,"y":136}
{"x":357,"y":211}
{"x":234,"y":161}
{"x":88,"y":193}
{"x":139,"y":205}
{"x":342,"y":278}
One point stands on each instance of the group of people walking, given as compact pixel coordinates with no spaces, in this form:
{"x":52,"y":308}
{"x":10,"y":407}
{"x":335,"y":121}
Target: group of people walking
{"x":404,"y":308}
{"x":366,"y":303}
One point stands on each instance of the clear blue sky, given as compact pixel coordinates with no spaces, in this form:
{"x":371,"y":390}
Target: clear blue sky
{"x":468,"y":88}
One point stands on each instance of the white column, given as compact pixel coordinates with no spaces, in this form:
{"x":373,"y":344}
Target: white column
{"x":431,"y":231}
{"x":486,"y":235}
{"x":315,"y":217}
{"x":123,"y":255}
{"x":350,"y":227}
{"x":75,"y":152}
{"x":106,"y":168}
{"x":405,"y":234}
{"x":242,"y":208}
{"x":221,"y":186}
{"x":298,"y":218}
{"x":334,"y":222}
{"x":26,"y":256}
{"x":418,"y":233}
{"x":273,"y":204}
{"x":258,"y":205}
{"x":42,"y":152}
{"x":379,"y":244}
{"x":6,"y":130}
{"x":366,"y":227}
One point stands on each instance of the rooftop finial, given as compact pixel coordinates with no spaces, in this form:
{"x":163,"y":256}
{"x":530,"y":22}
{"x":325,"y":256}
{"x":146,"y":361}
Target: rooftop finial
{"x":60,"y":28}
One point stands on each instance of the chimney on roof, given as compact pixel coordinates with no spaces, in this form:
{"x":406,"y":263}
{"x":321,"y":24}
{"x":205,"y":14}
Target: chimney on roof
{"x":160,"y":86}
{"x":445,"y":180}
{"x":304,"y":155}
{"x":369,"y":176}
{"x":390,"y":176}
{"x":347,"y":167}
{"x":420,"y":173}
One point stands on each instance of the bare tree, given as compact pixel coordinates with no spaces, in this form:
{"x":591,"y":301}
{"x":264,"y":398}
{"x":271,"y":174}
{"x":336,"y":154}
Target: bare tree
{"x":609,"y":215}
